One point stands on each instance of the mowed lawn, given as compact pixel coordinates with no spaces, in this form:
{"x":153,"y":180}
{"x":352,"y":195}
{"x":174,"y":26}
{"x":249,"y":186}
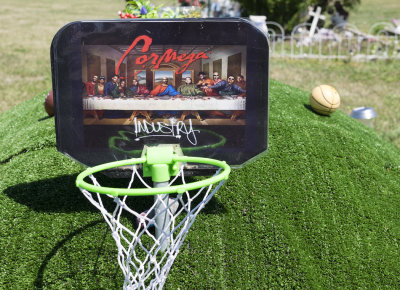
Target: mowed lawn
{"x":360,"y":84}
{"x":318,"y":210}
{"x":372,"y":11}
{"x":27,"y":28}
{"x":374,"y":83}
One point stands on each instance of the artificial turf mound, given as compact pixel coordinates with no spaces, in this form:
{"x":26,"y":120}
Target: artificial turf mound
{"x":320,"y":209}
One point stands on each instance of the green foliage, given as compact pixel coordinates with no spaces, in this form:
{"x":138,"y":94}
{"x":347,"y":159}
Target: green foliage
{"x":142,"y":9}
{"x":145,"y":9}
{"x":170,"y":13}
{"x":288,"y":13}
{"x":318,"y":210}
{"x":373,"y":84}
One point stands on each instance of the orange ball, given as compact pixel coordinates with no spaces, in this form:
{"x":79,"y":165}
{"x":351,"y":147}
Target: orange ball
{"x":324,"y":100}
{"x":49,"y":104}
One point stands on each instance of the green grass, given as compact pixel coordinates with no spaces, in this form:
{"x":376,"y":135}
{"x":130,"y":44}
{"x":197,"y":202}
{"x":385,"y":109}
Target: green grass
{"x":319,"y":210}
{"x":372,"y":11}
{"x":373,"y":84}
{"x":27,"y":29}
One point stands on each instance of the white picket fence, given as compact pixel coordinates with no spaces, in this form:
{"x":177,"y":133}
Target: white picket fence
{"x":344,"y":41}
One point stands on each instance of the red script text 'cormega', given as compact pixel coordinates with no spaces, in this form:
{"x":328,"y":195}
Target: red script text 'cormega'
{"x":156,"y":59}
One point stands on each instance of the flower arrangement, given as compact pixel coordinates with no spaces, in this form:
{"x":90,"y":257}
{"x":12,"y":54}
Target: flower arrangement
{"x":141,"y":9}
{"x":145,"y":9}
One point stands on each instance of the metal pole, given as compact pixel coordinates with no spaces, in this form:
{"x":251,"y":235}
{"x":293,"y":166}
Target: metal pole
{"x":162,"y":220}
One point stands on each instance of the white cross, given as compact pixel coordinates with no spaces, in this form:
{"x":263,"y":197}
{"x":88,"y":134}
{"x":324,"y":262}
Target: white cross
{"x":317,"y":16}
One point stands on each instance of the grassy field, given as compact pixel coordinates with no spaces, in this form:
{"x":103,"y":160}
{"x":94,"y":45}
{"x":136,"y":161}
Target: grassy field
{"x":373,"y":84}
{"x":319,"y":210}
{"x":27,"y":28}
{"x":373,"y":11}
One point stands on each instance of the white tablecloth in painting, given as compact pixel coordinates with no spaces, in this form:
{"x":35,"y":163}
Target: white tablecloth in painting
{"x":166,"y":104}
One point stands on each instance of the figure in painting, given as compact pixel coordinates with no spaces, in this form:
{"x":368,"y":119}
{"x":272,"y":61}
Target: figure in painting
{"x":214,"y":89}
{"x":164,"y":89}
{"x":190,"y":89}
{"x":208,"y":88}
{"x":111,"y":85}
{"x":229,"y":88}
{"x":224,"y":88}
{"x":120,"y":91}
{"x":90,"y":91}
{"x":99,"y":87}
{"x":241,"y":82}
{"x":216,"y":78}
{"x":204,"y":81}
{"x":137,"y":90}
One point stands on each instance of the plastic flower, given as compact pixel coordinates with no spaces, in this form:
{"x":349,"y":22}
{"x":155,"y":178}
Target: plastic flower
{"x":143,"y":10}
{"x":146,"y":9}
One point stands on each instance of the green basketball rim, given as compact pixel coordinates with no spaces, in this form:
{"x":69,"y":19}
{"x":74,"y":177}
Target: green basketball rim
{"x":222,"y":175}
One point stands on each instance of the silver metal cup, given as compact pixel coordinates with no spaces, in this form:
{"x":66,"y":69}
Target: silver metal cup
{"x":364,"y":114}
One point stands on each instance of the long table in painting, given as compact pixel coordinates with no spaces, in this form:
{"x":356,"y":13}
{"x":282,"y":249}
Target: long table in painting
{"x":188,"y":105}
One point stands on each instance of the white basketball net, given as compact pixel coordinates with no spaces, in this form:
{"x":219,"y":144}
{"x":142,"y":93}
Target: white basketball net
{"x":149,"y":241}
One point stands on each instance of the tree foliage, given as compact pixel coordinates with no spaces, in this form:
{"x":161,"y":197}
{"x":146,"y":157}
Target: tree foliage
{"x":289,"y":12}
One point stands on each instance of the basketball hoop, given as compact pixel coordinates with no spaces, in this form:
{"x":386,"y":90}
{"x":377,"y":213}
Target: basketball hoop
{"x":149,"y":243}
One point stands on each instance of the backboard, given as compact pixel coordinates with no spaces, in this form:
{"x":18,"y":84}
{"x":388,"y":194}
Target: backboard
{"x":199,"y":83}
